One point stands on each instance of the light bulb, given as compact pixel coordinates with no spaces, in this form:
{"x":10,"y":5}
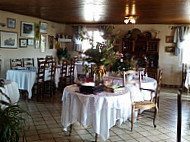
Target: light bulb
{"x":133,"y":21}
{"x":126,"y":21}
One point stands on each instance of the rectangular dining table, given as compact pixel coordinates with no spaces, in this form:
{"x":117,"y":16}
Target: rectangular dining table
{"x":101,"y":111}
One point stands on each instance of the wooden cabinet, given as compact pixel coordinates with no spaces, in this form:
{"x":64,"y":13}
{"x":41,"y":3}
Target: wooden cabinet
{"x":143,"y":48}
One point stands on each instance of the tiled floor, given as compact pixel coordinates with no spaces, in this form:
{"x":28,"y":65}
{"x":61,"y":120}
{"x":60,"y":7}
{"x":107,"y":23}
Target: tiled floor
{"x":46,"y":125}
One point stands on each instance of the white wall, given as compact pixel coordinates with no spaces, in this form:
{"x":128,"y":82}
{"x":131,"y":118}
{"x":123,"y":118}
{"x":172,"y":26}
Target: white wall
{"x":30,"y":51}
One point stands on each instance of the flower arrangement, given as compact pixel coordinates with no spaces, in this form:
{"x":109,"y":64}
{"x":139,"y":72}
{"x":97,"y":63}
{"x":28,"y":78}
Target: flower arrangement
{"x":103,"y":53}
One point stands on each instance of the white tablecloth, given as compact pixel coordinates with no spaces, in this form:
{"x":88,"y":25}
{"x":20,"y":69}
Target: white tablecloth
{"x":11,"y":90}
{"x":99,"y":111}
{"x":102,"y":110}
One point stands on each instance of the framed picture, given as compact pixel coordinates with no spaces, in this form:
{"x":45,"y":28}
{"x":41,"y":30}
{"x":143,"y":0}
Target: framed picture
{"x":31,"y":42}
{"x":50,"y":41}
{"x":11,"y":23}
{"x":23,"y":42}
{"x":169,"y":39}
{"x":169,"y":48}
{"x":37,"y":44}
{"x":8,"y":39}
{"x":43,"y":27}
{"x":27,"y":29}
{"x":37,"y":31}
{"x":42,"y":43}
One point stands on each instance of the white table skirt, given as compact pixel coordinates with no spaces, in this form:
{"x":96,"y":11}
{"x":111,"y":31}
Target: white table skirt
{"x":11,"y":90}
{"x":99,"y":111}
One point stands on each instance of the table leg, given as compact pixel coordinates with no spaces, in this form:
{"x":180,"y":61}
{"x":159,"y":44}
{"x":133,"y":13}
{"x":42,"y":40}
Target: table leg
{"x":71,"y":127}
{"x":96,"y":137}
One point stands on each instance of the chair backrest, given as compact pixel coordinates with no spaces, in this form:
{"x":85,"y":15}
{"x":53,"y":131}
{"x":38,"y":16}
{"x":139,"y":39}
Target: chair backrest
{"x":28,"y":62}
{"x":72,"y":69}
{"x":159,"y":80}
{"x":15,"y":63}
{"x":128,"y":80}
{"x":49,"y":60}
{"x":52,"y":71}
{"x":63,"y":72}
{"x":41,"y":72}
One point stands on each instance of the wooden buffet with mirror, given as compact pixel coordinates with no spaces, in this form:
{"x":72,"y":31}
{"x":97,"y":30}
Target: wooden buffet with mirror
{"x":144,"y":49}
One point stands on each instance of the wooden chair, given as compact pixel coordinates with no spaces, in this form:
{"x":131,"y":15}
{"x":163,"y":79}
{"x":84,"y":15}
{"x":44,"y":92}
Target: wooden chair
{"x":49,"y":60}
{"x":63,"y":75}
{"x":71,"y":73}
{"x":50,"y":83}
{"x":15,"y":63}
{"x":28,"y":62}
{"x":145,"y":105}
{"x":39,"y":85}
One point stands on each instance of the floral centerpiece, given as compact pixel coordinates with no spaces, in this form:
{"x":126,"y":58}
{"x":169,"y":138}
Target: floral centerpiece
{"x":102,"y":54}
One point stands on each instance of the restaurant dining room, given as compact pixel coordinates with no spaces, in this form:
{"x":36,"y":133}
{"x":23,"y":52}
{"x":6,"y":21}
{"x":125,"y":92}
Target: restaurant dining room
{"x":94,"y":70}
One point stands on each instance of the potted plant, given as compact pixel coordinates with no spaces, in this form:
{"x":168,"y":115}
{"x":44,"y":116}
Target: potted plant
{"x":12,"y":120}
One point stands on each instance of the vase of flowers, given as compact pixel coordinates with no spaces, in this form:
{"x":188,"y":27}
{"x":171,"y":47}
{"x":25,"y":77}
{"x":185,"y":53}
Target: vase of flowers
{"x":102,"y":54}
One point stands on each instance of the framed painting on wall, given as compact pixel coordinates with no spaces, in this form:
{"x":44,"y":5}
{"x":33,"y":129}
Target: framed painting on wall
{"x":11,"y":23}
{"x":50,"y":41}
{"x":42,"y":43}
{"x":169,"y":39}
{"x":170,"y":49}
{"x":23,"y":43}
{"x":31,"y":42}
{"x":43,"y":27}
{"x":37,"y":44}
{"x":8,"y":39}
{"x":27,"y":29}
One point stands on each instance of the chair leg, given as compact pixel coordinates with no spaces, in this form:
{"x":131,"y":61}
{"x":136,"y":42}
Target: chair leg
{"x":96,"y":137}
{"x":71,"y":128}
{"x":158,"y":102}
{"x":132,"y":116}
{"x":155,"y":115}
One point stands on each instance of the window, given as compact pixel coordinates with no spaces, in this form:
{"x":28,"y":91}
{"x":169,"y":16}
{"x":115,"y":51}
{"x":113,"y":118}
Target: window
{"x":185,"y":49}
{"x":96,"y":35}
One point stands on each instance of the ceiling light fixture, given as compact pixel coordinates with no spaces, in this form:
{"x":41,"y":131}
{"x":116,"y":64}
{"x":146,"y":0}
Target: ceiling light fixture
{"x":130,"y":19}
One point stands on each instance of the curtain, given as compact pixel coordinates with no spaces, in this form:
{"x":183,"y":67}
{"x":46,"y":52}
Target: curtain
{"x":179,"y":36}
{"x":77,"y":40}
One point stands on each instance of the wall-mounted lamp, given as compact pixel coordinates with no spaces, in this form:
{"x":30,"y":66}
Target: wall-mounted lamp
{"x":130,"y":19}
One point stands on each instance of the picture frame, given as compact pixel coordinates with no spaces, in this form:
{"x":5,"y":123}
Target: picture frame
{"x":170,"y":49}
{"x":22,"y":43}
{"x":30,"y":42}
{"x":8,"y":39}
{"x":42,"y":42}
{"x":11,"y":23}
{"x":50,"y":41}
{"x":43,"y":27}
{"x":27,"y":29}
{"x":169,"y":39}
{"x":37,"y":43}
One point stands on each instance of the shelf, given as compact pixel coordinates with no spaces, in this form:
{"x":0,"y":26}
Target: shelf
{"x":64,"y":40}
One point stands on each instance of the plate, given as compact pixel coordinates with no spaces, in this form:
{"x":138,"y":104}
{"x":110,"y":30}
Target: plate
{"x":147,"y":35}
{"x":136,"y":33}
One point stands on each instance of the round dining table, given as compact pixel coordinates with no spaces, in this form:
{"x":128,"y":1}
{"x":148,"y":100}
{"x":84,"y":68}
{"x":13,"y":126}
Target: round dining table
{"x":102,"y":110}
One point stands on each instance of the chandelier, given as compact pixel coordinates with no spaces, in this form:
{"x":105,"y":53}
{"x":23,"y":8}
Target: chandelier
{"x":130,"y":19}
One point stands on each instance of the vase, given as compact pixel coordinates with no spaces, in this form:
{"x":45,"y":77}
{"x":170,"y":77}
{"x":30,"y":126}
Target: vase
{"x":100,"y":74}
